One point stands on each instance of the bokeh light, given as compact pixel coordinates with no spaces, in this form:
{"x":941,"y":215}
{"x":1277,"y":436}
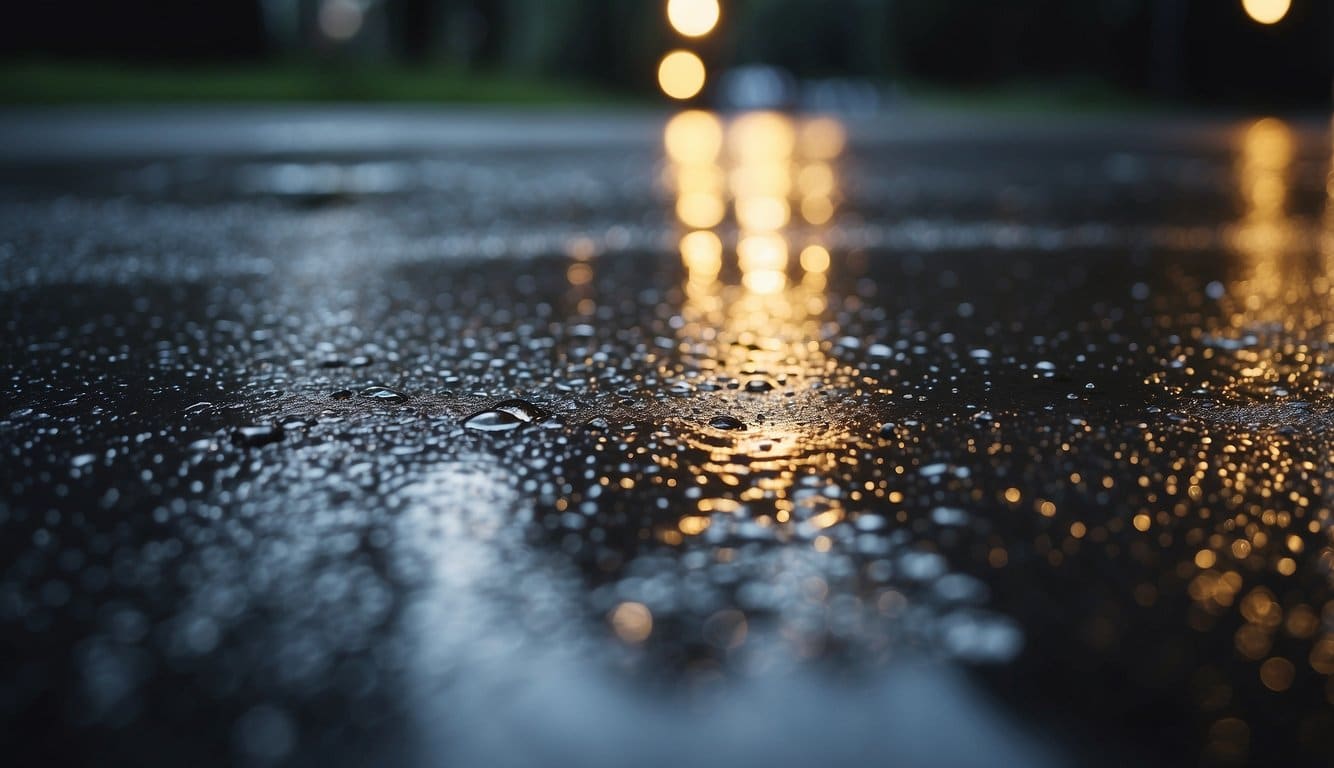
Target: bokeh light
{"x":815,"y":258}
{"x":1266,"y":11}
{"x":693,"y":137}
{"x":702,"y":253}
{"x":700,"y":209}
{"x":681,"y":74}
{"x":693,"y":18}
{"x":632,"y":622}
{"x":340,"y":19}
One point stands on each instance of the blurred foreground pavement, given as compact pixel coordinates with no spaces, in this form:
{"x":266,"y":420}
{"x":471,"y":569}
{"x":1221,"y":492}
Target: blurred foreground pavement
{"x":398,"y":436}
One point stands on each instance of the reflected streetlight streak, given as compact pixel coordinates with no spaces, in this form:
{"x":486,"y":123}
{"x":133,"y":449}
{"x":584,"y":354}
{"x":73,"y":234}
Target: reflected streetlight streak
{"x":761,"y":327}
{"x":762,"y":145}
{"x":1265,"y":230}
{"x":1270,"y":352}
{"x":694,"y":141}
{"x":1327,"y":230}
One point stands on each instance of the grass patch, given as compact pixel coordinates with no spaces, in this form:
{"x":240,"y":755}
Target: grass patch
{"x":90,"y":83}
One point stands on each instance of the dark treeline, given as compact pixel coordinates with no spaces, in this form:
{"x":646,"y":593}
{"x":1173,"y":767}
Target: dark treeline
{"x":1200,"y":50}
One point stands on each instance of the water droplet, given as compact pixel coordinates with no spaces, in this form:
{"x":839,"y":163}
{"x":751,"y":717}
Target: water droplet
{"x":758,"y":385}
{"x":383,"y":394}
{"x":598,"y":424}
{"x":726,"y":422}
{"x":342,"y":394}
{"x":505,"y":415}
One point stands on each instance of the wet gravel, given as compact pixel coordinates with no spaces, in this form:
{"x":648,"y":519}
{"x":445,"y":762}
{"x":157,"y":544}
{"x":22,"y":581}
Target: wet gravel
{"x":756,"y":440}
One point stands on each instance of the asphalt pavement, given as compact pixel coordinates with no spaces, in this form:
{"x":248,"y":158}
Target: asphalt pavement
{"x":390,"y":436}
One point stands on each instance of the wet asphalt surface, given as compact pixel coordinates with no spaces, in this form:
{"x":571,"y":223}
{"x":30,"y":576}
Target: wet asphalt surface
{"x":431,"y":439}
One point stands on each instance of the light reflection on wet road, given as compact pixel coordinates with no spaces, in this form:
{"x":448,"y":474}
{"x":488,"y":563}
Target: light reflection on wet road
{"x":832,"y":444}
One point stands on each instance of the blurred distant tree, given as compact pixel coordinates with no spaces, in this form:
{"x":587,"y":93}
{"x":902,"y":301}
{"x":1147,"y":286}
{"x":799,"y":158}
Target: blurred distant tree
{"x":613,"y":42}
{"x":461,"y":32}
{"x":1170,"y":47}
{"x":980,"y":42}
{"x":413,"y":26}
{"x":134,"y":29}
{"x":1205,"y":50}
{"x":834,"y":37}
{"x":1199,"y":49}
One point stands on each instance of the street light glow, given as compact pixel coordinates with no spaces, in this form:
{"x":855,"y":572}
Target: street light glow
{"x":1266,"y":11}
{"x":681,"y":74}
{"x":693,"y":18}
{"x":340,"y":20}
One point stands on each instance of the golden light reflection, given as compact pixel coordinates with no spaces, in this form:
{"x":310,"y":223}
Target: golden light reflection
{"x":1262,"y":178}
{"x":693,"y":138}
{"x":700,"y":209}
{"x":762,"y":146}
{"x":702,"y":253}
{"x":693,"y":18}
{"x":822,"y":138}
{"x":579,"y":273}
{"x":1327,"y":228}
{"x":1251,"y":501}
{"x":694,"y":141}
{"x":1266,"y":11}
{"x":761,"y":322}
{"x":1275,"y":279}
{"x":814,"y":258}
{"x":681,"y":75}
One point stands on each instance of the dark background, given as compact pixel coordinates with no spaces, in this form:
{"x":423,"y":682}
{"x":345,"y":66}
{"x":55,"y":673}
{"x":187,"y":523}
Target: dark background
{"x":1204,"y":52}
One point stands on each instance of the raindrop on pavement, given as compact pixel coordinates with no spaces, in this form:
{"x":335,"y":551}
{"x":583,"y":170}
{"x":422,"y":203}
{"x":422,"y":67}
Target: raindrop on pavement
{"x":505,"y":415}
{"x":726,"y":422}
{"x":383,"y":394}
